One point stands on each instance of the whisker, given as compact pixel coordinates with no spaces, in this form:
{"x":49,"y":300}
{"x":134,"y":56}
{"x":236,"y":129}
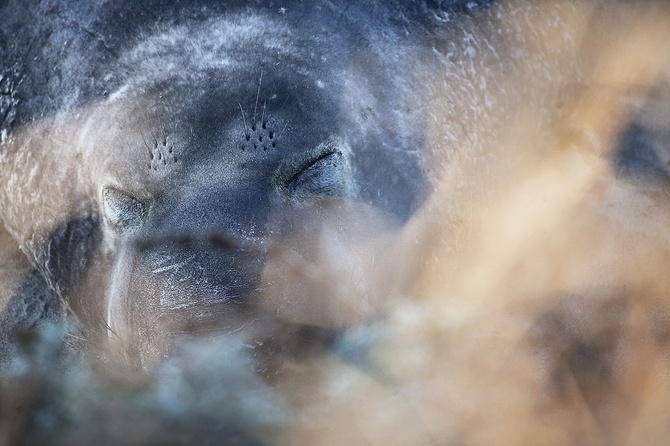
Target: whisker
{"x":258,"y":94}
{"x":263,"y":115}
{"x":282,"y":131}
{"x":244,"y":121}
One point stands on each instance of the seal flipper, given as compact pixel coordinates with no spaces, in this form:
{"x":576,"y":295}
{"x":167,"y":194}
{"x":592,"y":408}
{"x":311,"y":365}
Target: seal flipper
{"x":32,"y":307}
{"x":26,"y":301}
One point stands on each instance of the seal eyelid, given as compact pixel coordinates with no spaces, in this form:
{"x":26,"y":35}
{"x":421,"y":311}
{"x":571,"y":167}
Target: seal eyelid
{"x":311,"y":163}
{"x":327,"y":174}
{"x":123,"y":212}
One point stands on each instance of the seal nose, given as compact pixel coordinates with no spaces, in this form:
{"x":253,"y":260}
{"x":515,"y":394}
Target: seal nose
{"x":119,"y":296}
{"x":178,"y":283}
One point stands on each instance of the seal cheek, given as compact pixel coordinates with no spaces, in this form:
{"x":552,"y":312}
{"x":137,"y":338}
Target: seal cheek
{"x":122,"y":212}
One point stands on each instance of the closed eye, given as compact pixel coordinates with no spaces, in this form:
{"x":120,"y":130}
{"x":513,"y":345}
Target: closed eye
{"x":123,"y":213}
{"x":326,"y":173}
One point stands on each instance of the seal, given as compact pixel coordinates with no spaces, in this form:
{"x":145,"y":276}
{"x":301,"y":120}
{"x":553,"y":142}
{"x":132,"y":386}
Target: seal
{"x":153,"y":152}
{"x":154,"y":155}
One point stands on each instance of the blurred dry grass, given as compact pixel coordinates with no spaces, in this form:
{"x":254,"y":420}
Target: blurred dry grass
{"x":530,"y":293}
